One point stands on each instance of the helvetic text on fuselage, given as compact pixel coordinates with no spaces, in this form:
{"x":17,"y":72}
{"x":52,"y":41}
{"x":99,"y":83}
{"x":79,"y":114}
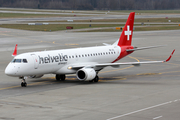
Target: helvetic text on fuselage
{"x":60,"y":58}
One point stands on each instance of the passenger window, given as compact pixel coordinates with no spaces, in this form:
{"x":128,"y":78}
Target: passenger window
{"x":24,"y":61}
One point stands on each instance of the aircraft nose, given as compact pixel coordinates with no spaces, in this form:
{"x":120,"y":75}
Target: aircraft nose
{"x":9,"y":71}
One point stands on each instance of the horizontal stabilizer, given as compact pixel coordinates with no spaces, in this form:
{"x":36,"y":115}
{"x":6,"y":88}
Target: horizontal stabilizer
{"x":106,"y":44}
{"x":142,"y":48}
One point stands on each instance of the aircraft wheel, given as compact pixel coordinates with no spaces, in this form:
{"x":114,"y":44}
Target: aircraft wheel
{"x":60,"y":77}
{"x":23,"y":84}
{"x":96,"y":79}
{"x":63,"y":77}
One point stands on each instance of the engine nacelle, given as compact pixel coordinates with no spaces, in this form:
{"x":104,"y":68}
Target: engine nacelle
{"x":35,"y":76}
{"x":86,"y":74}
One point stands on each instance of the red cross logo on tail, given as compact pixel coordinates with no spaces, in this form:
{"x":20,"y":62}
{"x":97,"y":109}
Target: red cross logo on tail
{"x":128,"y":32}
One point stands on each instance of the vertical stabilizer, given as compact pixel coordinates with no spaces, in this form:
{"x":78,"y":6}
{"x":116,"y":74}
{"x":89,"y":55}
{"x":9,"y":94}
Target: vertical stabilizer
{"x":126,"y":35}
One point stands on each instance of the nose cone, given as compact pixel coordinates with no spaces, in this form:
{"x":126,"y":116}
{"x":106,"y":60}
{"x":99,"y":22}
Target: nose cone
{"x":9,"y":71}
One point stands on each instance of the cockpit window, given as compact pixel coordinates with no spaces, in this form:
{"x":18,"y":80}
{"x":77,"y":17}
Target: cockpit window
{"x":24,"y":61}
{"x":13,"y":60}
{"x":19,"y":60}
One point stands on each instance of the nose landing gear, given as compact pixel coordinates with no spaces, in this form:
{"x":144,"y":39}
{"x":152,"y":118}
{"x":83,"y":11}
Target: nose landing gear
{"x":23,"y":83}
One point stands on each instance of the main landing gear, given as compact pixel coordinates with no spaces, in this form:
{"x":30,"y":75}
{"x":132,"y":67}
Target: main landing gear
{"x":96,"y":79}
{"x":23,"y":83}
{"x":60,"y":77}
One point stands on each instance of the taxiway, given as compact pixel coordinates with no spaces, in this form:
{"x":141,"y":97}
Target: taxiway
{"x":147,"y":92}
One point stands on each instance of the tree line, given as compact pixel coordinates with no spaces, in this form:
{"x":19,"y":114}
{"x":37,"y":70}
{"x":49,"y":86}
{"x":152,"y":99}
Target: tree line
{"x":93,"y":4}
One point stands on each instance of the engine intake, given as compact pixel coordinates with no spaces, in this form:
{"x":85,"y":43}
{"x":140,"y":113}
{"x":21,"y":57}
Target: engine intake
{"x":86,"y":74}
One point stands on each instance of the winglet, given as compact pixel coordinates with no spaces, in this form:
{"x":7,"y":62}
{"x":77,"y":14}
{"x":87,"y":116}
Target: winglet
{"x":170,"y":56}
{"x":15,"y":51}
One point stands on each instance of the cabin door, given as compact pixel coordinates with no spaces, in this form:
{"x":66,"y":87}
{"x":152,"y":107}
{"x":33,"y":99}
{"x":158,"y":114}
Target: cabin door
{"x":36,"y":63}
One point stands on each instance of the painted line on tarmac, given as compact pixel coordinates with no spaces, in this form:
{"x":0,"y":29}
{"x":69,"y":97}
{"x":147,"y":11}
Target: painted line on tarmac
{"x":144,"y":109}
{"x":122,"y":68}
{"x":115,"y":78}
{"x":117,"y":69}
{"x":169,"y":72}
{"x":37,"y":83}
{"x":157,"y":117}
{"x":6,"y":34}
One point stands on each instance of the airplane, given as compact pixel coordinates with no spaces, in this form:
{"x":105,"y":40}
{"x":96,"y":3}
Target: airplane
{"x":84,"y":62}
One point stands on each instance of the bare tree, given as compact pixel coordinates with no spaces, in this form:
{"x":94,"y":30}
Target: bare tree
{"x":94,"y":4}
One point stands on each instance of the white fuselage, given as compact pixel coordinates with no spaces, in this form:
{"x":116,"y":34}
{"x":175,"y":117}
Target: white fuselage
{"x":58,"y":61}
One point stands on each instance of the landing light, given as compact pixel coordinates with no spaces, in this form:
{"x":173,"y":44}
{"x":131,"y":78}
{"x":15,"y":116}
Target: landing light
{"x":69,"y":67}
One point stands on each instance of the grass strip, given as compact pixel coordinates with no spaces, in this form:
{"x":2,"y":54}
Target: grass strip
{"x":54,"y":27}
{"x":22,"y":15}
{"x":58,"y":27}
{"x":143,"y":28}
{"x":166,"y":20}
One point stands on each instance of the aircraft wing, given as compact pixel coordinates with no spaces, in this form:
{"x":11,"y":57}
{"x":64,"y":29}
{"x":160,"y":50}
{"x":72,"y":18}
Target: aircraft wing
{"x":88,"y":65}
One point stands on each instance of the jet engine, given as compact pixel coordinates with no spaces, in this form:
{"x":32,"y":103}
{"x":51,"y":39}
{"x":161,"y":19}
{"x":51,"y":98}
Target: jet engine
{"x":35,"y":76}
{"x":86,"y":74}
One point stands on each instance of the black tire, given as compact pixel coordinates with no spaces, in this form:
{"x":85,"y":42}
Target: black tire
{"x":96,"y":79}
{"x":58,"y":77}
{"x":23,"y":84}
{"x":63,"y":77}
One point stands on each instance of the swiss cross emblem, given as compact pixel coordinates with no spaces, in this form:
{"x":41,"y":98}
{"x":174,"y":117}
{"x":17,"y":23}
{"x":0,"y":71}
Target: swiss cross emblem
{"x":128,"y":32}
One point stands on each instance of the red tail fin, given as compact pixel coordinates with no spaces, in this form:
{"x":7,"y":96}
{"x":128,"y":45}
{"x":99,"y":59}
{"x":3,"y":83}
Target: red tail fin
{"x":15,"y":51}
{"x":126,"y":35}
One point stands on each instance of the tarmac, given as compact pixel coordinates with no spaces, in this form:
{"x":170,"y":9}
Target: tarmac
{"x":148,"y":92}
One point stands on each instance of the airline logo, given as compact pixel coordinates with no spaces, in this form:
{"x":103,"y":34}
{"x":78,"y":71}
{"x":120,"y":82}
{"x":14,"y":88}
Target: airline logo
{"x":51,"y":59}
{"x":128,"y":32}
